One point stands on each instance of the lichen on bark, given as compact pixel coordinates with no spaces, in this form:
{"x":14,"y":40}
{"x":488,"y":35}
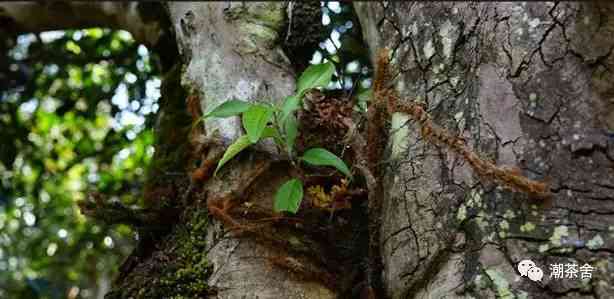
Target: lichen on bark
{"x":521,"y":84}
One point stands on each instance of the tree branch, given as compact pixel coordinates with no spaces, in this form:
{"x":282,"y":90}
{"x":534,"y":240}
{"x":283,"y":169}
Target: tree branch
{"x":22,"y":17}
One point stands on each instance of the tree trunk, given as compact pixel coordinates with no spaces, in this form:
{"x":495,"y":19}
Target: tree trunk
{"x":232,"y":51}
{"x":527,"y":85}
{"x":229,"y":51}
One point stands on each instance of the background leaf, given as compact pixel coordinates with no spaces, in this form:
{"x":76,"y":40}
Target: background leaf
{"x":291,"y":129}
{"x":317,"y":75}
{"x":364,"y":96}
{"x":321,"y":157}
{"x":270,"y":132}
{"x":291,"y":104}
{"x":229,"y":108}
{"x":255,"y":120}
{"x":289,"y":196}
{"x":79,"y":109}
{"x":239,"y":145}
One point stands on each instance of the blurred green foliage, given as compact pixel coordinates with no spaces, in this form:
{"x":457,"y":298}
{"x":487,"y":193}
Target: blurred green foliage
{"x":76,"y":109}
{"x":344,"y":47}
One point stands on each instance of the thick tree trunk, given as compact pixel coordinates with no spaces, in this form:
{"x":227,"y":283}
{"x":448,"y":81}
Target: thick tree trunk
{"x":228,"y":51}
{"x":527,"y":85}
{"x":232,"y":51}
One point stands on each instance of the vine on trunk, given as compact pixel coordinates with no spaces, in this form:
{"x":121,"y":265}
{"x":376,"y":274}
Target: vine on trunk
{"x":386,"y":99}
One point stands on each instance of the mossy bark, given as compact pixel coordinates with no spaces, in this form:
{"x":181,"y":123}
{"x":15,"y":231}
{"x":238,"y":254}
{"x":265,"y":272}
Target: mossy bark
{"x":228,"y":51}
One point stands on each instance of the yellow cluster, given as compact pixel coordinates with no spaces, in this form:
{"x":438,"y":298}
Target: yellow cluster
{"x":323,"y":200}
{"x":319,"y":197}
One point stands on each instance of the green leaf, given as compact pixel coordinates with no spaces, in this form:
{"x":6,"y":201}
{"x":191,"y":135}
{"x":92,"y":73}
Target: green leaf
{"x":289,"y":196}
{"x":255,"y":120}
{"x":321,"y":157}
{"x":316,"y":75}
{"x":229,"y":108}
{"x":270,"y":132}
{"x":364,"y":96}
{"x":240,"y":144}
{"x":291,"y":104}
{"x":291,"y":129}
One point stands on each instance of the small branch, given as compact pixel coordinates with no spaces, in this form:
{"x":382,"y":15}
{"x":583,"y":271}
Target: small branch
{"x":114,"y":212}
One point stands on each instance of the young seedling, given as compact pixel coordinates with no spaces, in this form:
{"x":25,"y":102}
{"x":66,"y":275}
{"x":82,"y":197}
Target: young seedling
{"x":262,"y":121}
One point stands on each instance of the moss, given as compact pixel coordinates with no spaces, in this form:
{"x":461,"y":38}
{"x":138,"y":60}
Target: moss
{"x":267,"y":14}
{"x":559,"y":233}
{"x":509,"y":214}
{"x":259,"y":25}
{"x":482,"y":220}
{"x":504,"y":225}
{"x":543,"y":248}
{"x":182,"y":271}
{"x":187,"y":278}
{"x":595,"y":243}
{"x":178,"y":266}
{"x":257,"y":36}
{"x":527,"y":227}
{"x":502,"y":286}
{"x":171,"y":131}
{"x":461,"y":215}
{"x":475,"y":199}
{"x":305,"y":33}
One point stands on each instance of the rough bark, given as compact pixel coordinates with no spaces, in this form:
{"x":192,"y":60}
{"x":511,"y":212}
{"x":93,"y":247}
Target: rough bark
{"x":527,"y":85}
{"x":228,"y":51}
{"x":229,"y":47}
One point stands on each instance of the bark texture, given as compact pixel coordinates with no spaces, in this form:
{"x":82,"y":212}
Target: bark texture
{"x":527,"y":85}
{"x":233,"y":51}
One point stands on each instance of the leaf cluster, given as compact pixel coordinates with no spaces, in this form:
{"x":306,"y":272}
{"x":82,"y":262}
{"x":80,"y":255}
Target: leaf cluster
{"x":262,"y":121}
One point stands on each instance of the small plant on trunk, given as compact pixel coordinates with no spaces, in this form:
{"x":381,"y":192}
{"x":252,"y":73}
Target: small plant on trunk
{"x":262,"y":121}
